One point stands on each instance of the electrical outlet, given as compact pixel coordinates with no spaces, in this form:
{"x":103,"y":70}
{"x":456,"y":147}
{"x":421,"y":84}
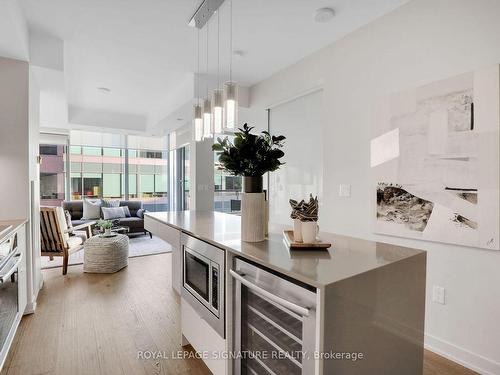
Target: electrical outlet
{"x":438,"y":294}
{"x":344,"y":190}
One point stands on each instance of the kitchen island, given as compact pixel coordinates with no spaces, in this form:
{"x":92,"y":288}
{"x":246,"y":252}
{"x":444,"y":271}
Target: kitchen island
{"x":368,"y":297}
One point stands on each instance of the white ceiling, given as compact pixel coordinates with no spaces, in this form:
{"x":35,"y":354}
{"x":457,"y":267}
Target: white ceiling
{"x":143,"y":50}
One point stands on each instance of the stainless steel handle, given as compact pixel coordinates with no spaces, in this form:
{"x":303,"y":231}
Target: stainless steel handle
{"x":6,"y":275}
{"x":303,"y":311}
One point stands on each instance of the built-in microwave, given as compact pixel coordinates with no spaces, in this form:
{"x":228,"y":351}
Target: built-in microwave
{"x":203,"y":280}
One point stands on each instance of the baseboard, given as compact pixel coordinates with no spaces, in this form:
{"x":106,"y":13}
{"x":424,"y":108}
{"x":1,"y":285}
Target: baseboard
{"x":30,"y":308}
{"x":462,"y":356}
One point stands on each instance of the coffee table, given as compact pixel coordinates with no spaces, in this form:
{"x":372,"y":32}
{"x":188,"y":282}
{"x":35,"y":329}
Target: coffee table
{"x":120,"y":230}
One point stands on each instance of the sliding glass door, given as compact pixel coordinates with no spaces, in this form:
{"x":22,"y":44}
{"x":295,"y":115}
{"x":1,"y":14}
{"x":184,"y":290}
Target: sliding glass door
{"x":179,"y":179}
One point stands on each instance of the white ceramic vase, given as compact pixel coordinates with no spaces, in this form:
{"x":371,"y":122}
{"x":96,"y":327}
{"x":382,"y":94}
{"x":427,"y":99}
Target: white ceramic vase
{"x":253,"y":217}
{"x":297,"y":230}
{"x":310,"y":230}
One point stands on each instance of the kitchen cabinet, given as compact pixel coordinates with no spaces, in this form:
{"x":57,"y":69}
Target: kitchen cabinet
{"x":355,"y":308}
{"x":173,"y":237}
{"x":13,"y":281}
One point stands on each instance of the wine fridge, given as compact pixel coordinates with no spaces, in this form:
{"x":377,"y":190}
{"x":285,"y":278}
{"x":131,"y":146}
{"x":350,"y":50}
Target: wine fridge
{"x":275,"y":323}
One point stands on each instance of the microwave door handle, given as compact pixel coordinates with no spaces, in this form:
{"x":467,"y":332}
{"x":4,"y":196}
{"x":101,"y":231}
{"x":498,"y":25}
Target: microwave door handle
{"x":302,"y":311}
{"x":5,"y":276}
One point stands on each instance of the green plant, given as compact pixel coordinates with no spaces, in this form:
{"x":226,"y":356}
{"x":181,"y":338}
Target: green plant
{"x":250,"y":155}
{"x":105,"y":224}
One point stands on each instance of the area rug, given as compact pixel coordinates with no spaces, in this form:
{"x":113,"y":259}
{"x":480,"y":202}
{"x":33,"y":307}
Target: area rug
{"x":138,"y":246}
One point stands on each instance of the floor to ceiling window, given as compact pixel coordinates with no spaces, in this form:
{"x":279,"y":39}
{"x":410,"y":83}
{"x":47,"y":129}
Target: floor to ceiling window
{"x":97,"y":172}
{"x":119,"y":167}
{"x":148,"y":178}
{"x":180,"y":178}
{"x":227,"y":196}
{"x":52,"y":174}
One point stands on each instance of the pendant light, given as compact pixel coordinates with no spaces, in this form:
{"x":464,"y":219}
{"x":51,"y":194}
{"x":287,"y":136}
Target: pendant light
{"x":217,"y":100}
{"x":198,"y":117}
{"x":230,"y":87}
{"x":207,"y":107}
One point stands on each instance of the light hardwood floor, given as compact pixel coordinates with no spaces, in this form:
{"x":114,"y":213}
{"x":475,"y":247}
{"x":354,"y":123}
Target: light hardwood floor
{"x":96,"y":324}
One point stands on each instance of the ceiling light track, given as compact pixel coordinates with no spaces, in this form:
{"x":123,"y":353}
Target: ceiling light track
{"x":204,"y":12}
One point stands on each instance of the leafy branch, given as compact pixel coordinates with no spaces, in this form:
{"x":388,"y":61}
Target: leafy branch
{"x":250,"y":154}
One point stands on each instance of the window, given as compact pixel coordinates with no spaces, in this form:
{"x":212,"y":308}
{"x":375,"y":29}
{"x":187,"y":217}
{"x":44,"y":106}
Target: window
{"x":97,"y":172}
{"x":101,"y":166}
{"x":227,"y":196}
{"x":49,"y":150}
{"x":148,"y":178}
{"x":52,"y":174}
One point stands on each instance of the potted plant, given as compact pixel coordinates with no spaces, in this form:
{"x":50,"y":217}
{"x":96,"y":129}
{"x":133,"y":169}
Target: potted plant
{"x":105,"y":226}
{"x":250,"y":155}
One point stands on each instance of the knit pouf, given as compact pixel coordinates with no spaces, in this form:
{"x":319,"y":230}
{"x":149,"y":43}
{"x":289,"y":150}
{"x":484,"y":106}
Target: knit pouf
{"x":105,"y":254}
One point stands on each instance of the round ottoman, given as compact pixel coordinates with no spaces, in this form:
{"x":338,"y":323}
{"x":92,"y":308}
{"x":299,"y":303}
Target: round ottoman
{"x":105,"y":254}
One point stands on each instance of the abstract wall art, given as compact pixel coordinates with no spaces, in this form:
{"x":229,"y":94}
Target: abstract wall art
{"x":435,"y":161}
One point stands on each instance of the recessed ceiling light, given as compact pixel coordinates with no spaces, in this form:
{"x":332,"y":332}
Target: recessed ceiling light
{"x":179,"y":119}
{"x":238,"y":54}
{"x":105,"y":90}
{"x":323,"y":15}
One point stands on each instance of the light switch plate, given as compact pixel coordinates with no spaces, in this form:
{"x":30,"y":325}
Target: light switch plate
{"x":345,"y":190}
{"x":438,"y":294}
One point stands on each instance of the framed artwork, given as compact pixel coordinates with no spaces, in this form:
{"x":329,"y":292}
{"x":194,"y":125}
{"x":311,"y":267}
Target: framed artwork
{"x":435,"y":161}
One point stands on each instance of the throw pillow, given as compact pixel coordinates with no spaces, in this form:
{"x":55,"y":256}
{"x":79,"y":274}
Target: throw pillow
{"x":140,"y":213}
{"x":110,"y":213}
{"x":68,"y":219}
{"x":126,"y":210}
{"x":91,"y":209}
{"x":110,"y":203}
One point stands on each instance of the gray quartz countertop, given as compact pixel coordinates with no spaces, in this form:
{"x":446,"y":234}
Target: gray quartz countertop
{"x":346,"y":258}
{"x":9,"y":226}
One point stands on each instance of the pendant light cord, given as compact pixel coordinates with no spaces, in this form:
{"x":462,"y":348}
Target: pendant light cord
{"x":218,"y":49}
{"x":207,"y":58}
{"x":230,"y":40}
{"x":198,"y":69}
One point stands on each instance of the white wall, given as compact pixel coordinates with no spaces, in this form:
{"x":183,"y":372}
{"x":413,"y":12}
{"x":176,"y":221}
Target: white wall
{"x":14,"y":135}
{"x":35,"y":278}
{"x":302,"y":173}
{"x":421,"y":42}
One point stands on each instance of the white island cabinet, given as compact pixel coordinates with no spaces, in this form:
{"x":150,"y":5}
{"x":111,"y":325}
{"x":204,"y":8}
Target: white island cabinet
{"x":355,"y":308}
{"x":173,"y":238}
{"x":13,"y":283}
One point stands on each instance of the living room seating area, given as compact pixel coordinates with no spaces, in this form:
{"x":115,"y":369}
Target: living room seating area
{"x":131,"y":215}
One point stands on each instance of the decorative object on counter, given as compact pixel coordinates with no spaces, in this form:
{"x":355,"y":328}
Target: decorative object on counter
{"x":297,"y":224}
{"x":310,"y":231}
{"x":305,"y":217}
{"x":308,"y":216}
{"x":105,"y":226}
{"x":292,"y":243}
{"x":251,"y":156}
{"x":435,"y":164}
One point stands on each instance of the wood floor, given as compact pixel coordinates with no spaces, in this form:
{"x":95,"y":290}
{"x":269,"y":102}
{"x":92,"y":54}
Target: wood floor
{"x":97,"y":324}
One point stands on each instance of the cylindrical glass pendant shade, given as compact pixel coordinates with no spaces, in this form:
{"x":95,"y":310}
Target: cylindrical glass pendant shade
{"x":217,"y":109}
{"x":207,"y":119}
{"x":198,"y":123}
{"x":230,"y":105}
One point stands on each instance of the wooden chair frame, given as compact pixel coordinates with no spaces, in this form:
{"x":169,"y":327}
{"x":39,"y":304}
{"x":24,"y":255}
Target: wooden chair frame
{"x":52,"y":236}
